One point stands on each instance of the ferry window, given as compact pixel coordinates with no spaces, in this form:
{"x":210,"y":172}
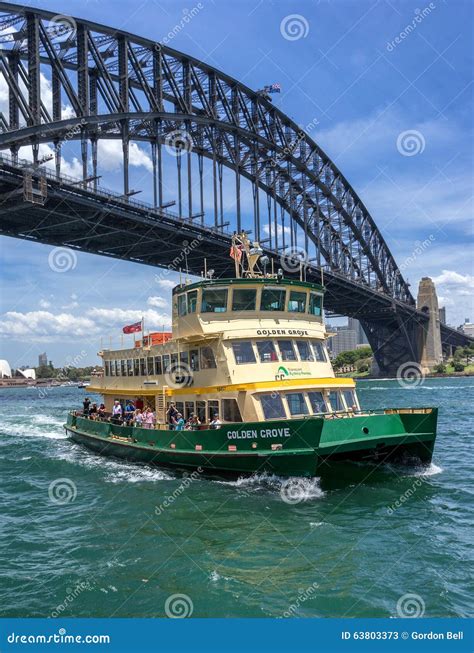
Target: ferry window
{"x":305,"y":351}
{"x":208,"y":360}
{"x":150,"y":365}
{"x":142,"y":367}
{"x":319,"y":351}
{"x":297,"y":302}
{"x":287,"y":350}
{"x":273,"y":299}
{"x":158,"y":368}
{"x":318,"y":405}
{"x":244,"y":299}
{"x":194,"y":360}
{"x":136,"y":366}
{"x":166,"y":363}
{"x":182,"y":304}
{"x":230,"y":410}
{"x":130,"y":367}
{"x":188,"y":409}
{"x":243,"y":352}
{"x":212,"y":409}
{"x":297,"y":403}
{"x":107,"y":368}
{"x":349,"y":398}
{"x":174,"y":361}
{"x":117,"y":368}
{"x":266,"y":351}
{"x":201,"y":411}
{"x":335,"y":400}
{"x":272,"y":406}
{"x":192,"y":301}
{"x":214,"y":300}
{"x":184,"y":358}
{"x":112,"y":368}
{"x":315,"y":304}
{"x":180,"y":407}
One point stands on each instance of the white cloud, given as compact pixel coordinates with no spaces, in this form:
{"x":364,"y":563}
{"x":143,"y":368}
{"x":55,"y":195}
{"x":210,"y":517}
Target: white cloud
{"x":166,"y":283}
{"x":45,"y":323}
{"x":451,"y":278}
{"x":44,"y":303}
{"x":111,"y":155}
{"x":159,"y":302}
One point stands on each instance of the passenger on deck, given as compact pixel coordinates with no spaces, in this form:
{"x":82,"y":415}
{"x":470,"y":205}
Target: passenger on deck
{"x":129,"y":410}
{"x":178,"y":422}
{"x":149,"y":419}
{"x":117,"y":412}
{"x":101,"y":411}
{"x":216,"y":422}
{"x":93,"y":411}
{"x":85,"y":406}
{"x":138,"y":418}
{"x":171,"y":414}
{"x":193,"y":423}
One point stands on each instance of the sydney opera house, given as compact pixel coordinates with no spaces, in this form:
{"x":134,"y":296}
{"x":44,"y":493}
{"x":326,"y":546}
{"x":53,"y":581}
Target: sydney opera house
{"x":9,"y":377}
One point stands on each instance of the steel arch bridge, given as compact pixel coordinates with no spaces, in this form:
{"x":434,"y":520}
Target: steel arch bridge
{"x":73,"y":81}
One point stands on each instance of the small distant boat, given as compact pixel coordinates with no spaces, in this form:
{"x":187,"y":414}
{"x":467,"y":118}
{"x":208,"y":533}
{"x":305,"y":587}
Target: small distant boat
{"x":86,"y":384}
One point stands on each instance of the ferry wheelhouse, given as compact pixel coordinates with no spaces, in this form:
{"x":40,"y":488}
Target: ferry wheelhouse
{"x":250,"y":352}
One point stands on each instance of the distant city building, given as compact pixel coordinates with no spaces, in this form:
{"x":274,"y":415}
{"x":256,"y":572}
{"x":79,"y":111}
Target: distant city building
{"x":355,"y":325}
{"x":345,"y":339}
{"x":42,"y":360}
{"x":467,"y":328}
{"x":442,"y":315}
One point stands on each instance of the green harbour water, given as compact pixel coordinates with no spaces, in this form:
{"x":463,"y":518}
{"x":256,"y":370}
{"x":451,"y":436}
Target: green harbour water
{"x":86,"y":536}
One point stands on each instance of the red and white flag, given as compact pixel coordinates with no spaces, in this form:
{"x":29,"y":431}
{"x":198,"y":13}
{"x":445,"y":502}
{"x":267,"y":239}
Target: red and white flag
{"x":132,"y":328}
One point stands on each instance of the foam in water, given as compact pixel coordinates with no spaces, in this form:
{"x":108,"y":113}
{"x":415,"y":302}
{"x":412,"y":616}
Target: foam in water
{"x":308,"y":487}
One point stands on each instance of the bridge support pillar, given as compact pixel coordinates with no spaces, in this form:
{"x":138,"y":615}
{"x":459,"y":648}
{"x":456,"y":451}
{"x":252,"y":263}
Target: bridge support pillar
{"x":430,"y":333}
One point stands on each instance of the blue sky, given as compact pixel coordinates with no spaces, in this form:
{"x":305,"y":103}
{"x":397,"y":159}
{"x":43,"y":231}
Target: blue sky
{"x":358,"y":78}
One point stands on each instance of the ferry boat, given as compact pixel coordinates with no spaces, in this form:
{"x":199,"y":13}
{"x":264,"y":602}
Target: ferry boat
{"x":248,"y":356}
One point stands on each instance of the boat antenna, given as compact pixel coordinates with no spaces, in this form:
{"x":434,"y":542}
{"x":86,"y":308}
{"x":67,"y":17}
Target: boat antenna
{"x":205,"y":268}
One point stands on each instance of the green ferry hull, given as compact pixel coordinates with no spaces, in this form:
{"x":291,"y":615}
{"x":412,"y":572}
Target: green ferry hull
{"x":287,"y":448}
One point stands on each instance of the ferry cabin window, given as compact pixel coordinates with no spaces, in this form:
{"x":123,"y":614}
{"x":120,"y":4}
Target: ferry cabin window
{"x":244,"y":299}
{"x":180,"y":407}
{"x":208,"y":361}
{"x":318,"y":405}
{"x":182,"y":304}
{"x":319,"y":351}
{"x":107,"y":368}
{"x":158,"y":368}
{"x":174,"y":360}
{"x":272,"y":406}
{"x":212,"y":409}
{"x":112,"y":368}
{"x":230,"y":410}
{"x":297,"y":403}
{"x":214,"y":300}
{"x":287,"y":350}
{"x":243,"y":352}
{"x":305,"y":351}
{"x":315,"y":304}
{"x":142,"y":367}
{"x":266,"y":351}
{"x":297,"y":302}
{"x":136,"y":366}
{"x":192,"y":301}
{"x":150,"y":365}
{"x":184,"y":358}
{"x":130,"y":367}
{"x":349,"y":398}
{"x":273,"y":299}
{"x":166,"y":363}
{"x":194,"y":360}
{"x":335,"y":400}
{"x":188,"y":409}
{"x":201,"y":411}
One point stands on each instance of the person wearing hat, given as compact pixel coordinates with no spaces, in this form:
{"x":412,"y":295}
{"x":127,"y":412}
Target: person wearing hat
{"x":171,"y":415}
